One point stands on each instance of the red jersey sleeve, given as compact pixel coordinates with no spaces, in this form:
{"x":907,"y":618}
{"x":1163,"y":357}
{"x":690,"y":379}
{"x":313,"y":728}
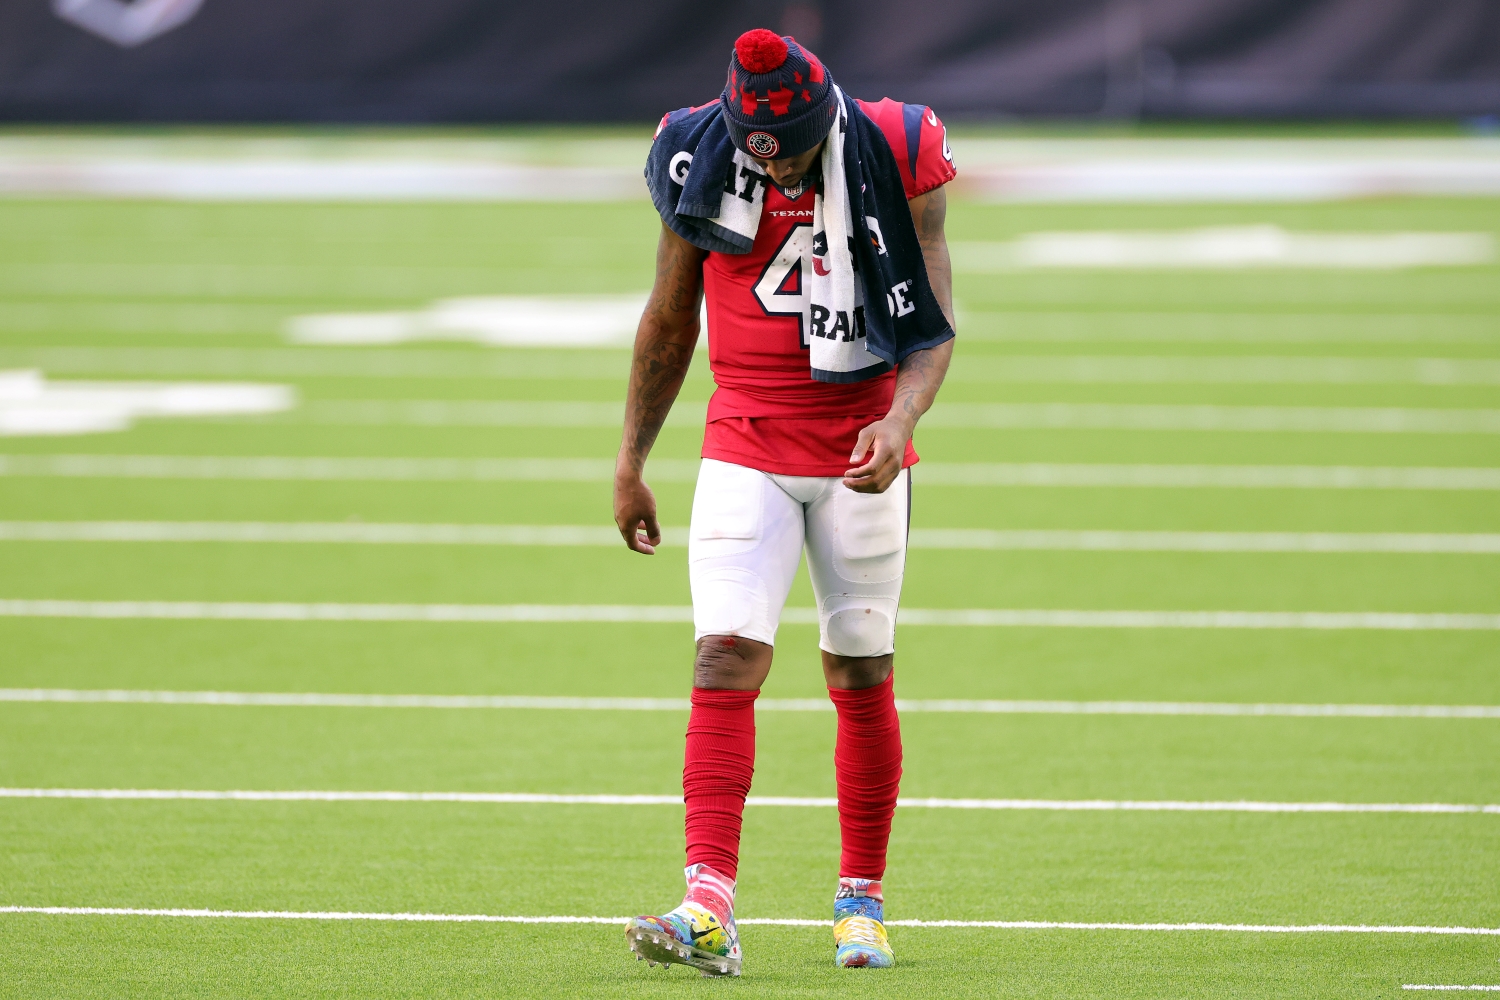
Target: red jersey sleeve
{"x":919,"y":140}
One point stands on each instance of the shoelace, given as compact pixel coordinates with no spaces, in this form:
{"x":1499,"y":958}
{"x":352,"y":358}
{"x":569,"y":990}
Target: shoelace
{"x":861,"y":930}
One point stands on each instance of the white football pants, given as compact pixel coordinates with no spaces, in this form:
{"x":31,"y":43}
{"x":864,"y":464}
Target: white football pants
{"x":747,"y":536}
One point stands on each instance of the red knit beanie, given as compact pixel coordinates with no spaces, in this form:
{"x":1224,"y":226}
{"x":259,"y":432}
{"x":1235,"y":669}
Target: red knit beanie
{"x":778,"y":100}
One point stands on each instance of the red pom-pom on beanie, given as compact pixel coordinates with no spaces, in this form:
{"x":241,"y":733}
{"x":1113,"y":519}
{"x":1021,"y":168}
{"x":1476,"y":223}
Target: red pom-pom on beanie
{"x":760,"y":50}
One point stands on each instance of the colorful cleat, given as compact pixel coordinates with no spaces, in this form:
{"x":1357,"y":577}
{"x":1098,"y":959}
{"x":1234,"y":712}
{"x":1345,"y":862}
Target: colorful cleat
{"x":699,"y":933}
{"x":859,"y":926}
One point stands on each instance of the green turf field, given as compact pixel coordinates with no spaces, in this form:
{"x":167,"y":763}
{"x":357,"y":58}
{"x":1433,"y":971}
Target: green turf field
{"x":161,"y":291}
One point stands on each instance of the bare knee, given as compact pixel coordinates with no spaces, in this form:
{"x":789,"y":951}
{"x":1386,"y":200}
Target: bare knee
{"x":852,"y":673}
{"x":731,"y":662}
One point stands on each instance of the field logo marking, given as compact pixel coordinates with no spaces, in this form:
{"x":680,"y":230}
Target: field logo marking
{"x":32,"y":405}
{"x":494,"y":321}
{"x":1226,"y":248}
{"x":127,"y":24}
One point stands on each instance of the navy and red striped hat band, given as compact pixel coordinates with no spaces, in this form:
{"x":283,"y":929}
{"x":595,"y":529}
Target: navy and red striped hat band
{"x":778,"y":98}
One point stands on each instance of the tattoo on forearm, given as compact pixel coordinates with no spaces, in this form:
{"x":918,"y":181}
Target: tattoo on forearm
{"x":656,"y":376}
{"x":918,"y":380}
{"x":929,"y":215}
{"x":934,"y":213}
{"x":920,"y":375}
{"x":663,"y":348}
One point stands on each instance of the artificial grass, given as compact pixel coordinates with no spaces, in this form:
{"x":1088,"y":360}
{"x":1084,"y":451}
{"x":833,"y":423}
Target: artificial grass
{"x":89,"y":957}
{"x":538,"y":860}
{"x":636,"y":753}
{"x":161,"y":290}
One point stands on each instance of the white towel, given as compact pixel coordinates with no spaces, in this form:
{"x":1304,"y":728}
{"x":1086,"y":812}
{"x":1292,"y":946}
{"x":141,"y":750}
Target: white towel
{"x":833,"y":317}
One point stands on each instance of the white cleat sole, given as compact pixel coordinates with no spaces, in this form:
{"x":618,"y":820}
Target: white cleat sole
{"x":658,"y":947}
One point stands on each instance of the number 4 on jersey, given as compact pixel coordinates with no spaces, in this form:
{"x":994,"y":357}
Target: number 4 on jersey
{"x":782,"y":288}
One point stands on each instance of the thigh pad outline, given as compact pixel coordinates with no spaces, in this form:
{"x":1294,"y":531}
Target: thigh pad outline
{"x":869,"y":544}
{"x":728,"y":511}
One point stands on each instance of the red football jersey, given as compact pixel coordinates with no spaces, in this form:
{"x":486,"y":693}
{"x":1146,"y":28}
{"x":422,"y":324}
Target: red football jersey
{"x":768,"y":412}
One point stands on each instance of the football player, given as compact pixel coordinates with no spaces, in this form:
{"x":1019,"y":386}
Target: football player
{"x":813,"y":225}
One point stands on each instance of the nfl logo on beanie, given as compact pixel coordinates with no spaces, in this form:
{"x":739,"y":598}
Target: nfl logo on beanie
{"x":778,"y":99}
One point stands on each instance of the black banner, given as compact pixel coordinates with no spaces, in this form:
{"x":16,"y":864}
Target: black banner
{"x":482,"y":61}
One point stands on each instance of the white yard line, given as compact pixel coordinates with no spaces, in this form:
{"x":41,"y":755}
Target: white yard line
{"x":1005,"y":169}
{"x":1040,"y":474}
{"x":1224,"y":248}
{"x":286,"y":179}
{"x":311,"y":700}
{"x":334,"y":532}
{"x":500,"y":413}
{"x":649,"y":613}
{"x":1043,"y":326}
{"x":1476,"y":988}
{"x":1214,"y":370}
{"x":1039,"y":618}
{"x":1145,"y":417}
{"x":1019,"y":416}
{"x":775,"y":801}
{"x":363,"y":533}
{"x":325,"y":362}
{"x":570,"y":704}
{"x":288,"y":611}
{"x":368,"y":469}
{"x":1293,"y":477}
{"x":1195,"y":541}
{"x":1111,"y":326}
{"x":235,"y":467}
{"x":1024,"y":925}
{"x":1095,"y":369}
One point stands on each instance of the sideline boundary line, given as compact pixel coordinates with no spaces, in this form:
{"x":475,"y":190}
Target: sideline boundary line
{"x":659,"y":613}
{"x":293,"y":699}
{"x":107,"y":911}
{"x":773,"y":801}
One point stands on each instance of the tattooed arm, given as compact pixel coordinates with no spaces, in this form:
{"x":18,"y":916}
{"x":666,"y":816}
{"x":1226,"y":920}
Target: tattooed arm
{"x":663,"y":349}
{"x":919,"y":375}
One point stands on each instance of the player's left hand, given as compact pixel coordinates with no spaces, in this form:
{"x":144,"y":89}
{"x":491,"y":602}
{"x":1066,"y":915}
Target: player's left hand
{"x":882,"y":446}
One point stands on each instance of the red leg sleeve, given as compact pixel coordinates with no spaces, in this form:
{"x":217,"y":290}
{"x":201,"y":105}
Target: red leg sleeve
{"x":867,"y":761}
{"x":716,"y":773}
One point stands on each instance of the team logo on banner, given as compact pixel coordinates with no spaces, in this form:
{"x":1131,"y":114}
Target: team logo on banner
{"x":127,"y":24}
{"x":763,"y":144}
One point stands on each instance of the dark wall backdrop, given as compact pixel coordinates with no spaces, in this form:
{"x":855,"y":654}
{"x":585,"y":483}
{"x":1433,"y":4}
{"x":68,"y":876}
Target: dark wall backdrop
{"x":593,"y":60}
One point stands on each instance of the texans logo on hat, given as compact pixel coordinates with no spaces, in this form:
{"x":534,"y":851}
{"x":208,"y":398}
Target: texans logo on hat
{"x":762,"y":144}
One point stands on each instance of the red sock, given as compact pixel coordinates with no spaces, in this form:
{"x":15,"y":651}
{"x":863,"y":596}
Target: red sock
{"x":867,"y":762}
{"x":716,"y":772}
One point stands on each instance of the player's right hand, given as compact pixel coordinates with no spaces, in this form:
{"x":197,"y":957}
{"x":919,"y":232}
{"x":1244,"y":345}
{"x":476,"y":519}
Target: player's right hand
{"x":635,"y":514}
